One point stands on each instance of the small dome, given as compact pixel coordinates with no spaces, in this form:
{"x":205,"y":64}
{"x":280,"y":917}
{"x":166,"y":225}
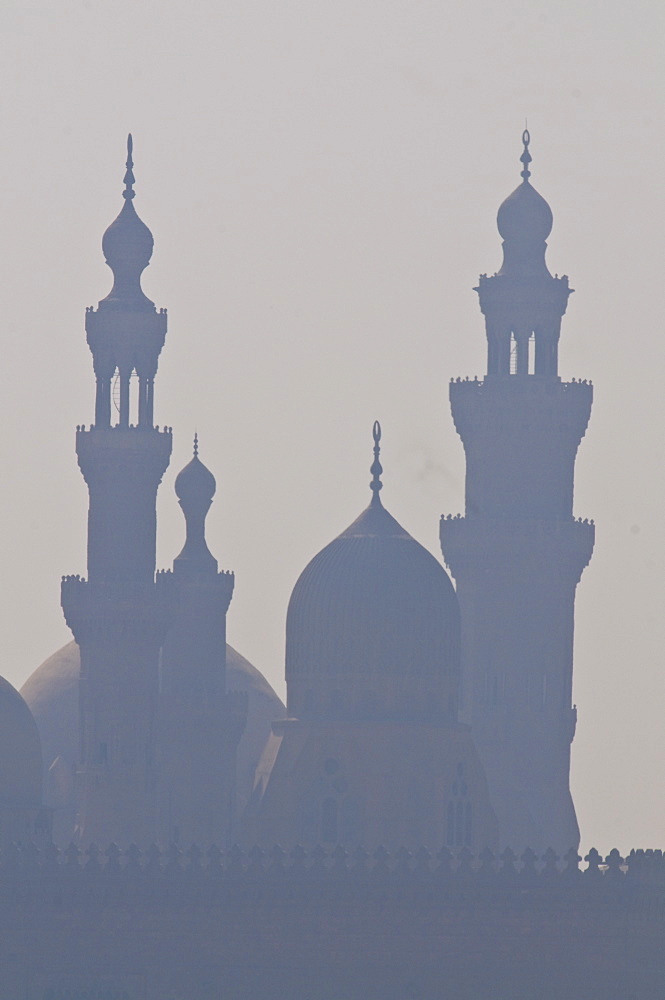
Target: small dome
{"x":525,"y":215}
{"x":20,"y":751}
{"x":195,"y":482}
{"x":52,"y":694}
{"x":373,"y":602}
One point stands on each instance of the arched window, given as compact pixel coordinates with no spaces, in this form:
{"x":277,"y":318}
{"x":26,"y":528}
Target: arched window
{"x":513,"y":354}
{"x":531,"y":356}
{"x":467,"y":824}
{"x":329,"y":827}
{"x":450,"y":833}
{"x":459,"y":823}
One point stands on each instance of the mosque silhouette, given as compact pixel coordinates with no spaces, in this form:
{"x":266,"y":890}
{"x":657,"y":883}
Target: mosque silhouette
{"x":403,"y":828}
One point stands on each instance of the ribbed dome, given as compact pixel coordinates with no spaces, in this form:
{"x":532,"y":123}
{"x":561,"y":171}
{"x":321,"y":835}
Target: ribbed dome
{"x":524,"y":215}
{"x":373,"y":603}
{"x":20,"y":751}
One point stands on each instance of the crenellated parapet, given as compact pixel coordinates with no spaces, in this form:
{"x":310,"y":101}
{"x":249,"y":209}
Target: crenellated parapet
{"x":321,"y":925}
{"x":443,"y":870}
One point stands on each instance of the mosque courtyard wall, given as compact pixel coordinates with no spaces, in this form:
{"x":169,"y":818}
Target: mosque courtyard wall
{"x":328,"y":927}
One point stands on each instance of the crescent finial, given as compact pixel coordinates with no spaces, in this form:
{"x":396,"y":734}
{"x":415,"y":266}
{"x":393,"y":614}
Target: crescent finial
{"x":526,"y":155}
{"x":129,"y":178}
{"x":376,"y":468}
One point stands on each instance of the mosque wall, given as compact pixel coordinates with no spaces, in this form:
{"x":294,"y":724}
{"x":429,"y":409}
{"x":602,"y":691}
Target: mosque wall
{"x":325,"y":927}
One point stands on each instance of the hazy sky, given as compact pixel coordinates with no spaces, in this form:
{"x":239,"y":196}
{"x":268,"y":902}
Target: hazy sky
{"x":322,"y":182}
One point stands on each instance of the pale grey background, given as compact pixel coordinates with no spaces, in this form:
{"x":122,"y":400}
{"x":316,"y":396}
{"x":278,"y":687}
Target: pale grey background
{"x":322,"y":181}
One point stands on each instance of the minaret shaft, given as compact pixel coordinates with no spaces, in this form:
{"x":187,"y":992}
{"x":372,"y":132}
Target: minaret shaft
{"x":518,"y":553}
{"x":120,"y":615}
{"x":199,"y":722}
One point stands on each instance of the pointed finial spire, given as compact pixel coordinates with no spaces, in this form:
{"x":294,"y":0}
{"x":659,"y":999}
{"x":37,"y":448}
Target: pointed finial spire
{"x":196,"y":445}
{"x":526,"y":155}
{"x":129,"y":179}
{"x":376,"y":468}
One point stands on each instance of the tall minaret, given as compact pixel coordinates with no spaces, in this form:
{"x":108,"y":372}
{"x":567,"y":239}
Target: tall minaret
{"x":200,"y":723}
{"x":119,"y":615}
{"x":518,"y":553}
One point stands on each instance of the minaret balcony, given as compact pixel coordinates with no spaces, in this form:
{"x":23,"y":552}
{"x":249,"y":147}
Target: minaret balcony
{"x":501,"y":547}
{"x":502,"y":403}
{"x":124,"y":338}
{"x":118,"y":609}
{"x":512,"y":296}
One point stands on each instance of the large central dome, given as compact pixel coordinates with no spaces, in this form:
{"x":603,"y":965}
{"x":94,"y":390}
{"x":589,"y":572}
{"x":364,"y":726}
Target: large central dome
{"x":373,"y":626}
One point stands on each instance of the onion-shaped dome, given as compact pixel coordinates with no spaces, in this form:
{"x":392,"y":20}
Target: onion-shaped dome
{"x":20,"y":751}
{"x":373,"y":622}
{"x":195,"y":482}
{"x":127,"y":245}
{"x":127,"y":242}
{"x":195,"y":487}
{"x":524,"y":221}
{"x":524,"y":215}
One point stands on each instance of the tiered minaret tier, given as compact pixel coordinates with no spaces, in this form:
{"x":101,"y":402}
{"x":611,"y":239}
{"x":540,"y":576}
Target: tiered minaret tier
{"x":518,"y":553}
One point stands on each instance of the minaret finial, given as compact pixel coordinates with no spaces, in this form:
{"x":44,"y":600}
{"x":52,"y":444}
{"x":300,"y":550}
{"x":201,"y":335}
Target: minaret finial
{"x":196,"y":445}
{"x":376,"y":468}
{"x":526,"y":155}
{"x":128,"y":193}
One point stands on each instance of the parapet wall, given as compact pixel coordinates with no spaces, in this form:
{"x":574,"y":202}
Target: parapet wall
{"x":27,"y":869}
{"x":321,"y":925}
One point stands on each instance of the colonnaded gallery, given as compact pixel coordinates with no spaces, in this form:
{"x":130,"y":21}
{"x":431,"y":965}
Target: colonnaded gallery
{"x":403,"y":828}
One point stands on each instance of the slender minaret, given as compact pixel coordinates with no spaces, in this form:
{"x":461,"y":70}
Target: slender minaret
{"x":200,"y":723}
{"x":518,"y":553}
{"x":119,"y":615}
